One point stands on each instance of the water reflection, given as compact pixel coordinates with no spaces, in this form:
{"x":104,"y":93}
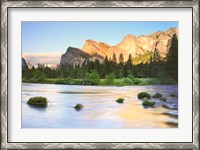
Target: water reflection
{"x":100,"y":109}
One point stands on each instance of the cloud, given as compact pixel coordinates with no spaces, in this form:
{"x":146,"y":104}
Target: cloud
{"x":42,"y":58}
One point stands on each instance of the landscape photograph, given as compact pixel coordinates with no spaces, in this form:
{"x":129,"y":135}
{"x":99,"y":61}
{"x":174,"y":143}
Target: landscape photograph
{"x":100,"y":75}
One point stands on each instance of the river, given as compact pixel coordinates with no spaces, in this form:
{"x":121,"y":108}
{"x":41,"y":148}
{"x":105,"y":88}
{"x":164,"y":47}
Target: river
{"x":100,"y":109}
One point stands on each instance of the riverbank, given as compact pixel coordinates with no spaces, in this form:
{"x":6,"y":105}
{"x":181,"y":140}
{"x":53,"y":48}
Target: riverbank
{"x":103,"y":82}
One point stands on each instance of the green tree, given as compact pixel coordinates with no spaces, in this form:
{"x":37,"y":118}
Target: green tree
{"x":114,"y":58}
{"x":121,"y":59}
{"x":92,"y":78}
{"x":97,"y":66}
{"x":150,"y":67}
{"x":156,"y":64}
{"x":110,"y":79}
{"x":113,"y":64}
{"x":172,"y":58}
{"x":107,"y":67}
{"x":121,"y":66}
{"x":129,"y":65}
{"x":39,"y":75}
{"x":156,"y":55}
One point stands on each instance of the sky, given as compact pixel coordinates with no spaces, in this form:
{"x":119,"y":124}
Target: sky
{"x":45,"y":42}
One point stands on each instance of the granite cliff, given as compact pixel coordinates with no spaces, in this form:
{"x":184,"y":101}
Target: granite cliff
{"x":130,"y":44}
{"x":74,"y":56}
{"x":24,"y":64}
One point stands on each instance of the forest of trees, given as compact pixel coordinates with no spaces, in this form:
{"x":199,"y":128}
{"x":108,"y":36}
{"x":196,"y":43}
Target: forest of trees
{"x":155,"y":68}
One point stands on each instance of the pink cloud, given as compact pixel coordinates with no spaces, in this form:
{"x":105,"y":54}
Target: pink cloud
{"x":42,"y":58}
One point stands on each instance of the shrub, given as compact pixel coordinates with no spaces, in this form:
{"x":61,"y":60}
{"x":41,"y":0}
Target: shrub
{"x":39,"y":75}
{"x":157,"y":95}
{"x":136,"y":81}
{"x":148,"y":103}
{"x":142,"y":95}
{"x":118,"y":83}
{"x":163,"y":99}
{"x":110,"y":79}
{"x":127,"y":81}
{"x":78,"y":106}
{"x":92,"y":78}
{"x":62,"y":81}
{"x":130,"y":76}
{"x":38,"y":101}
{"x":76,"y":82}
{"x":131,"y":80}
{"x":173,"y":95}
{"x":120,"y":100}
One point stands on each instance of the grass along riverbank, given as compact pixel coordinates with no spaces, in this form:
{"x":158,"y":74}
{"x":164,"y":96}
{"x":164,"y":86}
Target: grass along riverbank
{"x":104,"y":82}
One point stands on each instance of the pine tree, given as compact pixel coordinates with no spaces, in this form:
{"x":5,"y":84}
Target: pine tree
{"x":150,"y":67}
{"x":106,"y":62}
{"x":172,"y":58}
{"x":156,"y":63}
{"x":114,"y":58}
{"x":121,"y":65}
{"x":156,"y":55}
{"x":114,"y":65}
{"x":129,"y":65}
{"x":121,"y":59}
{"x":97,"y":66}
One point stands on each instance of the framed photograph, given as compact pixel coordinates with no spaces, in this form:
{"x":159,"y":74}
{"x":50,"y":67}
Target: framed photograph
{"x":100,"y":75}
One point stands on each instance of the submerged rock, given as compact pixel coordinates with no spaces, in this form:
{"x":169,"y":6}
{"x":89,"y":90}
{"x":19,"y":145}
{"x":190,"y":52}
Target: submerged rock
{"x":120,"y":100}
{"x":170,"y":106}
{"x":148,"y":103}
{"x":172,"y":123}
{"x":173,"y":114}
{"x":163,"y":98}
{"x":173,"y":95}
{"x":157,"y":95}
{"x":142,"y":95}
{"x":78,"y":107}
{"x":38,"y":101}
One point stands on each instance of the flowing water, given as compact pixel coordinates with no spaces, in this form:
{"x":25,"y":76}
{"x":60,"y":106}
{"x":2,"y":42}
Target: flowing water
{"x":100,"y":109}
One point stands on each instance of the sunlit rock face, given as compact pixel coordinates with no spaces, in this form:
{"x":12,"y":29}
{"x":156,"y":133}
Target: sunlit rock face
{"x":130,"y":44}
{"x":133,"y":45}
{"x":24,"y":64}
{"x":163,"y":40}
{"x":96,"y":57}
{"x":92,"y":47}
{"x":73,"y":56}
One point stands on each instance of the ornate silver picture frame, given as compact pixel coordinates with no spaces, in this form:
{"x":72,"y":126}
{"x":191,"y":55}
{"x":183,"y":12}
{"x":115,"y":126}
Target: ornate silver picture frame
{"x":6,"y":5}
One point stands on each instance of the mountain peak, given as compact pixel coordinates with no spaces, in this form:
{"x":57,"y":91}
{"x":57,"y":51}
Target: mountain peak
{"x":73,"y":56}
{"x":72,"y":49}
{"x":129,"y":37}
{"x":90,"y":41}
{"x":93,"y":47}
{"x":130,"y":44}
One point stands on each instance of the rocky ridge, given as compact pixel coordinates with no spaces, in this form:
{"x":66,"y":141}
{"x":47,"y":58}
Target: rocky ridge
{"x":73,"y":56}
{"x":130,"y":44}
